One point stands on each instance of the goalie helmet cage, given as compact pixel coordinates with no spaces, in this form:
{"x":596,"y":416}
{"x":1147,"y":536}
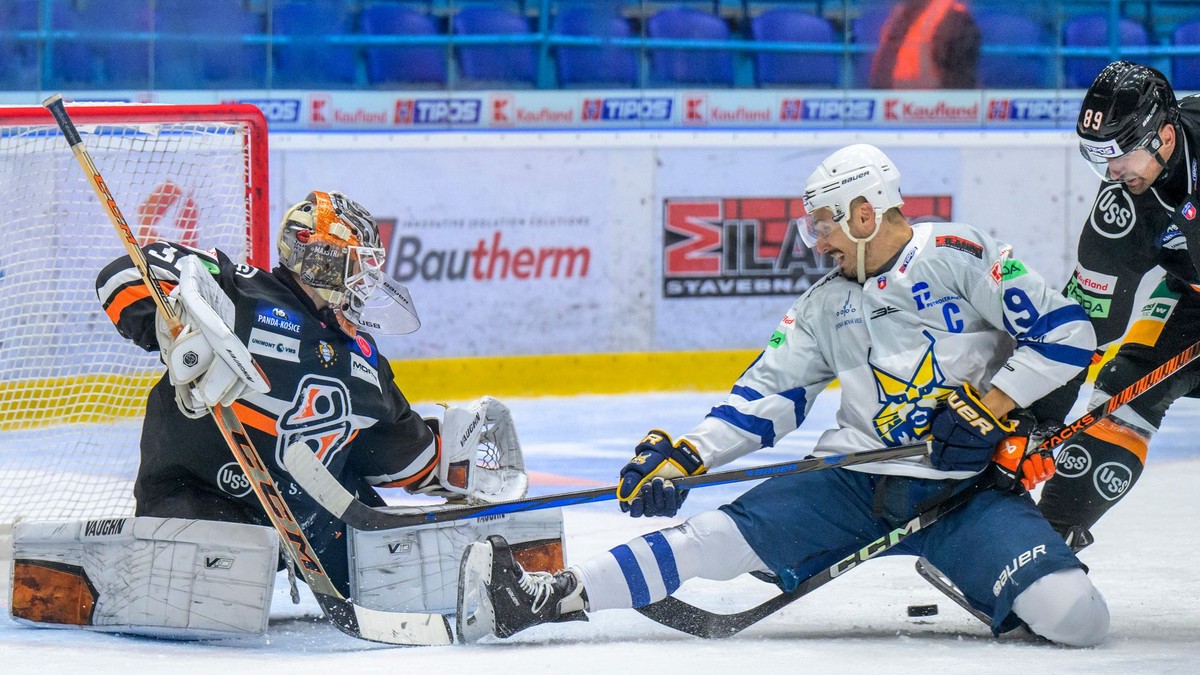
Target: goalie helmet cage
{"x":72,"y":390}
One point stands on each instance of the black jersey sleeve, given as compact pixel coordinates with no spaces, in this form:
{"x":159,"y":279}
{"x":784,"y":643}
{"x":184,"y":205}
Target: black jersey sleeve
{"x":400,"y":449}
{"x":127,"y":301}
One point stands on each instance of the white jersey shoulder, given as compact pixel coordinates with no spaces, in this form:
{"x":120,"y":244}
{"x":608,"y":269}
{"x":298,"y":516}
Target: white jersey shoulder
{"x":955,"y":306}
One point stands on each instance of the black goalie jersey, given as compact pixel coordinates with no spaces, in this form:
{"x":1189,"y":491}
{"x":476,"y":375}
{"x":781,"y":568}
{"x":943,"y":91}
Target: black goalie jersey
{"x":328,"y":389}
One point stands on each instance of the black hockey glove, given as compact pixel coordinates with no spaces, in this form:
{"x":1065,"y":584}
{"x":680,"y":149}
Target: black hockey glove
{"x":965,"y":433}
{"x":645,"y":488}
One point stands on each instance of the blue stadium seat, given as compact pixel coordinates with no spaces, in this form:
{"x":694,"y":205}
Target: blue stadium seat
{"x":391,"y":65}
{"x":686,"y":66}
{"x":1017,"y":71}
{"x":101,"y":63}
{"x":1091,"y":30}
{"x":866,"y":28}
{"x":1185,"y":70}
{"x":18,"y":59}
{"x":594,"y":66}
{"x":503,"y":63}
{"x":780,"y":68}
{"x":202,"y":65}
{"x":308,"y":61}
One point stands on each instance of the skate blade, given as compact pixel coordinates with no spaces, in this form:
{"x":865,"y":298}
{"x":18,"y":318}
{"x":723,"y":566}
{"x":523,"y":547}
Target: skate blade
{"x":476,"y":617}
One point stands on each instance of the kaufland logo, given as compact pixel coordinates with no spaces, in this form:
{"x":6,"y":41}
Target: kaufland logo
{"x":698,"y":110}
{"x":437,"y":111}
{"x":506,"y":112}
{"x":827,"y":109}
{"x":897,"y":110}
{"x":322,"y":112}
{"x":626,"y":109}
{"x":502,"y":109}
{"x":1032,"y":109}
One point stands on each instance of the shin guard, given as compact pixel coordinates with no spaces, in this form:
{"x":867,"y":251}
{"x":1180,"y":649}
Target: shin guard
{"x":1093,"y":472}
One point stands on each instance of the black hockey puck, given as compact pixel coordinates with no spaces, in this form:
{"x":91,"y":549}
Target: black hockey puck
{"x":922,"y":610}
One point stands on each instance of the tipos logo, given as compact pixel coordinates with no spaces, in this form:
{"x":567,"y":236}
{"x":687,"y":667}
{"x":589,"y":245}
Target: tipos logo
{"x":232,"y":480}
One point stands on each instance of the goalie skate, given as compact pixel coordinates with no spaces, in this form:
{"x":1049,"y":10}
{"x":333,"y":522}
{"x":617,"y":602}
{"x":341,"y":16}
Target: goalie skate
{"x":496,"y":596}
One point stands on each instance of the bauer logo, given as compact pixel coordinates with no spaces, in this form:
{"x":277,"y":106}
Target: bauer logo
{"x":626,"y":109}
{"x":232,"y":480}
{"x":827,"y":109}
{"x":276,"y":110}
{"x":437,"y":111}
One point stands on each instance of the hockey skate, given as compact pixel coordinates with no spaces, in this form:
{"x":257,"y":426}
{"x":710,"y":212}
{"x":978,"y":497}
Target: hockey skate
{"x":497,"y":597}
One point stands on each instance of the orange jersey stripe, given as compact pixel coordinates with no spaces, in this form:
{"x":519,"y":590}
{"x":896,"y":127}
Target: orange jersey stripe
{"x":129,"y":295}
{"x":253,"y":418}
{"x":1122,"y":436}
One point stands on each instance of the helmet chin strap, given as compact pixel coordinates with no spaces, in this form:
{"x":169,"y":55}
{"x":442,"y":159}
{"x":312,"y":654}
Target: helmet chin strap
{"x":862,"y":244}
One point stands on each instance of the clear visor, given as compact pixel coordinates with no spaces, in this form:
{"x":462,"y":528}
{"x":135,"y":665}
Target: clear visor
{"x":1111,"y":164}
{"x":375,"y":301}
{"x":364,"y":267}
{"x":812,"y":228}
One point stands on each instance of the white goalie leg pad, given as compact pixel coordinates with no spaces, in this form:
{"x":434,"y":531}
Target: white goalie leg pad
{"x":1064,"y":607}
{"x":481,"y":456}
{"x":415,"y":569}
{"x":164,"y":577}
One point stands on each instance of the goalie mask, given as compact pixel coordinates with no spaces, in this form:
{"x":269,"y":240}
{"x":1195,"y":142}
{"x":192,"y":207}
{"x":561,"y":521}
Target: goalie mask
{"x":332,"y":243}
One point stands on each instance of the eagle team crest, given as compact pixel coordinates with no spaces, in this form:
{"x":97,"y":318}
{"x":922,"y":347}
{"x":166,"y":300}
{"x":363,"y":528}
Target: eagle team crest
{"x":908,"y":400}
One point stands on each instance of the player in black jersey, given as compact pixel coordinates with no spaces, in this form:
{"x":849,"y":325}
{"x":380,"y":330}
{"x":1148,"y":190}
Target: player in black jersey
{"x":328,"y":384}
{"x":1143,"y":144}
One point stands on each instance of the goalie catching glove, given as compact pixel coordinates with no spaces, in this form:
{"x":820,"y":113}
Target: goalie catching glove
{"x":480,"y":460}
{"x":206,"y":362}
{"x":645,"y":488}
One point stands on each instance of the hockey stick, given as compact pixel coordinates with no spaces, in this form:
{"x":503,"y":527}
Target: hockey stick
{"x":312,"y":475}
{"x":682,"y":616}
{"x":368,"y":624}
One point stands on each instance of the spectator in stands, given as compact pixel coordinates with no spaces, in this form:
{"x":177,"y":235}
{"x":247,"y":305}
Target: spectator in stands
{"x":926,"y":44}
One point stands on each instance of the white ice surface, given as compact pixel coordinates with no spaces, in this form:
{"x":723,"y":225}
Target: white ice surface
{"x":1144,"y":562}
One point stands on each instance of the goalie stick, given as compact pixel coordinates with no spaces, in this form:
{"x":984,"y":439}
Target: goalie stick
{"x":388,"y":627}
{"x":688,"y":618}
{"x":312,"y":475}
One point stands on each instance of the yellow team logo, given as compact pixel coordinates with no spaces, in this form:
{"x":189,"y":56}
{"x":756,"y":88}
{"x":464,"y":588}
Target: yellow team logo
{"x":908,"y":402}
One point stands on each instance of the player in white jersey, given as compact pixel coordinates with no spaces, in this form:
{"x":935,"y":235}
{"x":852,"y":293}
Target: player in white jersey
{"x":915,"y":323}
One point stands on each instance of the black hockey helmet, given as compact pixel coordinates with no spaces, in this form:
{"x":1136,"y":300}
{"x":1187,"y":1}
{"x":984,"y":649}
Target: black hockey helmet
{"x":1122,"y":112}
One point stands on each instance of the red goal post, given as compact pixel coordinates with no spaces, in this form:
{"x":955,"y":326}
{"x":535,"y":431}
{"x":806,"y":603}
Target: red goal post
{"x":72,"y":390}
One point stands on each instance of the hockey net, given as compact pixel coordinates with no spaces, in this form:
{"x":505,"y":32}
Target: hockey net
{"x":72,"y":391}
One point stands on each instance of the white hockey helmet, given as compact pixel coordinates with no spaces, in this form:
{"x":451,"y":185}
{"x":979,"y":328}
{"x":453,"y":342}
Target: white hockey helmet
{"x":859,"y":170}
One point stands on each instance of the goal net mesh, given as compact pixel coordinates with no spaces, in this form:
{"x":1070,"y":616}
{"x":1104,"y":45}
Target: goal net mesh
{"x":72,"y":390}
